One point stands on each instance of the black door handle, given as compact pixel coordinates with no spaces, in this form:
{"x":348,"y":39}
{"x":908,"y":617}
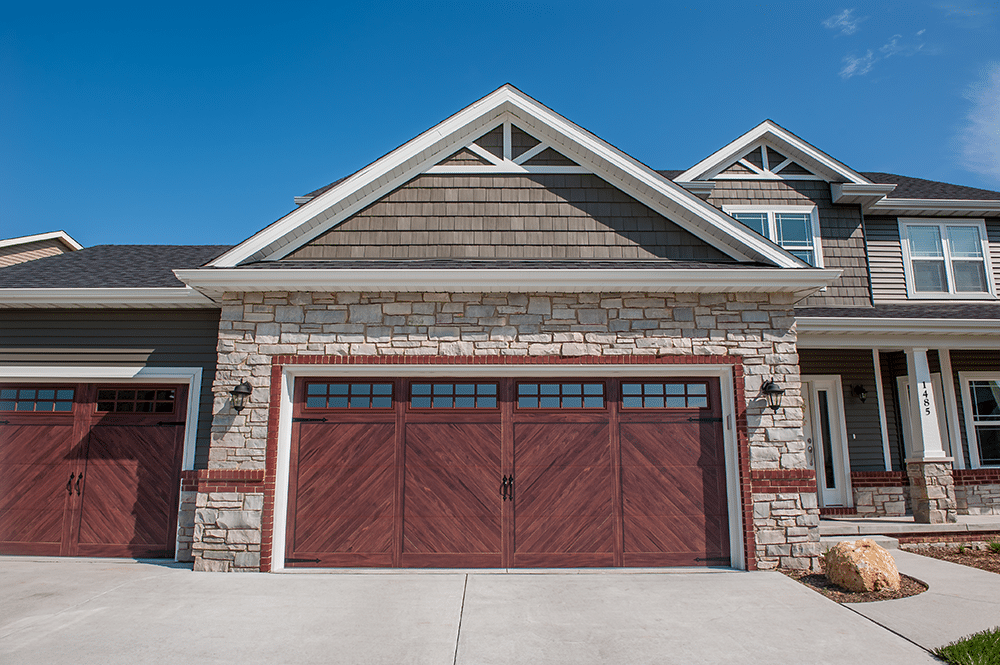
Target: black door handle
{"x":78,"y":479}
{"x":510,"y":488}
{"x":503,"y":489}
{"x":69,"y":483}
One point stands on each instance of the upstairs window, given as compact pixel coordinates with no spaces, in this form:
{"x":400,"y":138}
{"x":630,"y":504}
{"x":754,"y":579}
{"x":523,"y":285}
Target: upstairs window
{"x":794,"y":229}
{"x":946,"y":259}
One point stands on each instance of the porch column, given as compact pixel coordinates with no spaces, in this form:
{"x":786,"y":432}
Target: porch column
{"x":932,"y":488}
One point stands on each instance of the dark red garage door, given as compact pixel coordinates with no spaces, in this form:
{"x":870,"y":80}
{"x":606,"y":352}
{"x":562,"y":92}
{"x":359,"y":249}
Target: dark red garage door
{"x":507,"y":473}
{"x":89,"y":470}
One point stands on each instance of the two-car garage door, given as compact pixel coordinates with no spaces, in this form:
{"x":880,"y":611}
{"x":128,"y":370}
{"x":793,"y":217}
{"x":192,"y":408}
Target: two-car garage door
{"x":507,"y":473}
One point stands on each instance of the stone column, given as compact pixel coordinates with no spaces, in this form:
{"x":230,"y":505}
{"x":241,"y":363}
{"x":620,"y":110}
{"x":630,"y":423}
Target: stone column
{"x":932,"y":487}
{"x":932,"y":491}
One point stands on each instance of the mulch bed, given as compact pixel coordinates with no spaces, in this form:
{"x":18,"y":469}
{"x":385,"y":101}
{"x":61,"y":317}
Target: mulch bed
{"x":982,"y":559}
{"x":819,"y":582}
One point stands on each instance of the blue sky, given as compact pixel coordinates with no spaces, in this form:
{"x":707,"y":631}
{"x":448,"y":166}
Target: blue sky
{"x":196,"y":123}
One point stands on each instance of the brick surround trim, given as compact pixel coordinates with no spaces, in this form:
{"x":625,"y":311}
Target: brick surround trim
{"x":838,"y":511}
{"x":976,"y":476}
{"x":783,"y":481}
{"x":278,"y":362}
{"x":879,"y":479}
{"x":222,"y":480}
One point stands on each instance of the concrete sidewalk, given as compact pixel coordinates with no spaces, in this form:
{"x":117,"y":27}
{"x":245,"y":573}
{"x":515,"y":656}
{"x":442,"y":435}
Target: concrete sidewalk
{"x":65,"y":610}
{"x":959,"y":601}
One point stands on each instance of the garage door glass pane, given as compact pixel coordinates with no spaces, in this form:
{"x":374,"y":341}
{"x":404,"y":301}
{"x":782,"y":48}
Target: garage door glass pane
{"x":663,"y":395}
{"x":39,"y":400}
{"x":360,"y":395}
{"x":560,"y":395}
{"x":130,"y":400}
{"x":453,"y":395}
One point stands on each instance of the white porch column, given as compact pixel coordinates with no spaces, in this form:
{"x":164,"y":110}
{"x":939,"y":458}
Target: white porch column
{"x":926,"y":443}
{"x":932,"y":486}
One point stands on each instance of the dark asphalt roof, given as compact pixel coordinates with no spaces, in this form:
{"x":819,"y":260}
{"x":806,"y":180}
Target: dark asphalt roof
{"x":497,"y":264}
{"x":915,"y":311}
{"x":918,"y":188}
{"x":110,"y":266}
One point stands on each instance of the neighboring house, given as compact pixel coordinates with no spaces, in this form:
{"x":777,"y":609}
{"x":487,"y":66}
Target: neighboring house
{"x":509,"y":344}
{"x":29,"y":248}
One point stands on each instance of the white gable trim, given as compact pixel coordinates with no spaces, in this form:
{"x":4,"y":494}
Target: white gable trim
{"x":61,"y":236}
{"x":504,"y":106}
{"x":784,"y":142}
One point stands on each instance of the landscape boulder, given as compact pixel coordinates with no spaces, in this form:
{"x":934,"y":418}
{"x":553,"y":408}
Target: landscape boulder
{"x":861,"y":565}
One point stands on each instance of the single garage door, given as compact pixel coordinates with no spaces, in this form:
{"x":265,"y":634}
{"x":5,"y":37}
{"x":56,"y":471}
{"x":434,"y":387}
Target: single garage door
{"x":507,"y":473}
{"x":90,"y":470}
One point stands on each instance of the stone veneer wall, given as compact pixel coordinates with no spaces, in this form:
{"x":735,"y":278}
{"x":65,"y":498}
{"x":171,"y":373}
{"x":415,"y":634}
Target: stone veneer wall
{"x":881,"y":493}
{"x":758,"y":328}
{"x":977,"y":491}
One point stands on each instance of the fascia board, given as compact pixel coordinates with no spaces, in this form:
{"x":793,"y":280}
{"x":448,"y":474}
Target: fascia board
{"x":938,"y":205}
{"x":908,"y":327}
{"x":52,"y":235}
{"x":769,"y":130}
{"x":184,"y":297}
{"x":772,"y":280}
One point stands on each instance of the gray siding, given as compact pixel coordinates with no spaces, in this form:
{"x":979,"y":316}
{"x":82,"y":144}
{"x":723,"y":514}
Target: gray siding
{"x":864,"y":434}
{"x":970,"y":361}
{"x":893,"y":365}
{"x":83,"y":337}
{"x":841,"y":231}
{"x":510,"y":216}
{"x":885,"y":254}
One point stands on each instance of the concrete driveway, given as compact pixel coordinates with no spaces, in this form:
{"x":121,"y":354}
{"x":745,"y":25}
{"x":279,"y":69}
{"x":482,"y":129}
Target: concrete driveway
{"x":86,"y":611}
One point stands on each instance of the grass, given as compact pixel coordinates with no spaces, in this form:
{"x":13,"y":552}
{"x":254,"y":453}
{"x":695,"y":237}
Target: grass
{"x":994,"y":546}
{"x":977,"y":649}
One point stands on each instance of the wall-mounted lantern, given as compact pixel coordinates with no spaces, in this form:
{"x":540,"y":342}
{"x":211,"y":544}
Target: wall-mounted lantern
{"x":772,"y":393}
{"x":240,"y":395}
{"x":860,"y":392}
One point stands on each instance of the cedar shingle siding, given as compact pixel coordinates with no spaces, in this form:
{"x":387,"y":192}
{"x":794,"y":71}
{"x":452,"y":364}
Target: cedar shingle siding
{"x":840,"y":230}
{"x":508,"y":216}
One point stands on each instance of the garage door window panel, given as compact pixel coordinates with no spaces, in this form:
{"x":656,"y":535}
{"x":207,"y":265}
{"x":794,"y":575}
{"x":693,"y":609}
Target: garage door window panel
{"x":353,"y":395}
{"x":37,"y":400}
{"x":443,"y":395}
{"x":560,"y":396}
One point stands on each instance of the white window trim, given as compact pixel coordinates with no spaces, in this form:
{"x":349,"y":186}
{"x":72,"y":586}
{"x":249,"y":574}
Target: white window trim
{"x":911,"y":292}
{"x":290,"y":373}
{"x":812,"y":211}
{"x":965,"y":378}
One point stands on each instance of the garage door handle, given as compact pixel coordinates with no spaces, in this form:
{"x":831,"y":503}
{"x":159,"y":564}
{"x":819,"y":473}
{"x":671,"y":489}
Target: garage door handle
{"x":78,"y":479}
{"x":510,"y":488}
{"x":69,"y":483}
{"x":503,"y":489}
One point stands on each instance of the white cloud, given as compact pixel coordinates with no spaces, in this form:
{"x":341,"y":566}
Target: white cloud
{"x":846,"y":22}
{"x":980,"y":137}
{"x":855,"y":66}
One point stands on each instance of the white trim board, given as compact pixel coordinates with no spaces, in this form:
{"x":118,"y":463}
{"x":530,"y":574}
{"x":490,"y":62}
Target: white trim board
{"x":802,"y":282}
{"x":62,"y":236}
{"x":506,"y":105}
{"x":290,"y":373}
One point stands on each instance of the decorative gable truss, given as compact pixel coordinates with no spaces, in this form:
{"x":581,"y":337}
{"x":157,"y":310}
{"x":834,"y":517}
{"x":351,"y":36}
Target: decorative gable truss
{"x":506,"y":132}
{"x":762,"y":162}
{"x":507,"y":149}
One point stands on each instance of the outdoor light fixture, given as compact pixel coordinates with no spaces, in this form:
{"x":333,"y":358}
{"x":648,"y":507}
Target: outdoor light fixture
{"x":772,"y":392}
{"x":860,"y":392}
{"x":241,"y":394}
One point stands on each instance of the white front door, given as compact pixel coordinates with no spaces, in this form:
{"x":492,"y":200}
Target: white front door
{"x":825,"y":429}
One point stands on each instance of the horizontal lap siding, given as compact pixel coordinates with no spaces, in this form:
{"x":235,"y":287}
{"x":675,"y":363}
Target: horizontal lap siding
{"x":886,"y":257}
{"x":81,"y":337}
{"x":30,"y":251}
{"x":841,"y":233}
{"x":571,"y":216}
{"x":893,"y":365}
{"x":993,"y":234}
{"x":864,"y":435}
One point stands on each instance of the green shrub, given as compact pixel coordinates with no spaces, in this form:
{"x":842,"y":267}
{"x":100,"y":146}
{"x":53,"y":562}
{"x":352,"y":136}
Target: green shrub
{"x":994,"y":546}
{"x":977,"y":649}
